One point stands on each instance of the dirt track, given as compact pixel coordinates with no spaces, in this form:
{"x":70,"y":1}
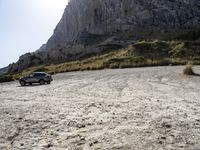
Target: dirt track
{"x":130,"y":109}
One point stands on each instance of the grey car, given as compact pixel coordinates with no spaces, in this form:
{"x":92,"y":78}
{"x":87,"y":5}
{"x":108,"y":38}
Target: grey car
{"x":36,"y":77}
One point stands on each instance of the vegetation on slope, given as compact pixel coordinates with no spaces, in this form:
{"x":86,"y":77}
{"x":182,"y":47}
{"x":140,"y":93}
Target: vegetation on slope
{"x":177,"y":48}
{"x":6,"y":78}
{"x":142,"y":53}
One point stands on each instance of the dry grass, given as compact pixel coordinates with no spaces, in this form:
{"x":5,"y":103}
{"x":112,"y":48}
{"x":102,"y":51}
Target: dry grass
{"x":141,"y":54}
{"x":188,"y":70}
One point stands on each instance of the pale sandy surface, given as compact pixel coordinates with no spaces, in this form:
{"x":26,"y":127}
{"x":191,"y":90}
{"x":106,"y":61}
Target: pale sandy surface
{"x":130,"y":109}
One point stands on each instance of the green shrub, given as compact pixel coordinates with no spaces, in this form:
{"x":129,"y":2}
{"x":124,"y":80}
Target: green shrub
{"x":110,"y":47}
{"x":124,"y":62}
{"x":153,"y":45}
{"x":179,"y":50}
{"x":41,"y":69}
{"x":189,"y":35}
{"x":151,"y":49}
{"x":6,"y":78}
{"x":143,"y":45}
{"x":184,"y":51}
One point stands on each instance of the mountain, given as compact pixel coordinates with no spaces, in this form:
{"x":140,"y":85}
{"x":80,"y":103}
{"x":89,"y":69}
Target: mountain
{"x":90,"y":27}
{"x":102,"y":17}
{"x":3,"y":70}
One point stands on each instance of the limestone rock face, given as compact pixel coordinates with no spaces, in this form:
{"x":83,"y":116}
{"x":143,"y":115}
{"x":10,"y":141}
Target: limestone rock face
{"x":102,"y":17}
{"x":25,"y":61}
{"x":86,"y":22}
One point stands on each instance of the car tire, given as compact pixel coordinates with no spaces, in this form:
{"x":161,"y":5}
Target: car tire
{"x":42,"y":82}
{"x":23,"y":83}
{"x":48,"y":82}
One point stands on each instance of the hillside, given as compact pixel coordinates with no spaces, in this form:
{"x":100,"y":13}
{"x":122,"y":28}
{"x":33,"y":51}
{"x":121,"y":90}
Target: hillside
{"x":140,"y":54}
{"x":88,"y":28}
{"x":3,"y":70}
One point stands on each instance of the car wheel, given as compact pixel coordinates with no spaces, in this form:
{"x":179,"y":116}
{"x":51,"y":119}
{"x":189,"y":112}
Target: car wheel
{"x":48,"y":82}
{"x":42,"y":82}
{"x":23,"y":83}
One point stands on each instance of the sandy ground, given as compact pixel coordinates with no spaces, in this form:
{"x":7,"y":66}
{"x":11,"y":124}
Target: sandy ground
{"x":130,"y":109}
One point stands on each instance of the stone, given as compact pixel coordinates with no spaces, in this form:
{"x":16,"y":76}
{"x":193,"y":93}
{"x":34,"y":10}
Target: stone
{"x":88,"y":22}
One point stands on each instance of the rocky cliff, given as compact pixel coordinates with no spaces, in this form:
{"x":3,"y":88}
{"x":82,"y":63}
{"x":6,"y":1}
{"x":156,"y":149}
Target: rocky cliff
{"x":89,"y":26}
{"x":102,"y":17}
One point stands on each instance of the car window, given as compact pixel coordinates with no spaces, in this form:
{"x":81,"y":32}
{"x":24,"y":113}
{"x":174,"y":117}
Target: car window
{"x":35,"y":75}
{"x":43,"y":74}
{"x":39,"y":74}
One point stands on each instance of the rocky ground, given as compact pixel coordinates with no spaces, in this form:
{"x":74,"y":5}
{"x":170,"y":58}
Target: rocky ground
{"x":129,"y":109}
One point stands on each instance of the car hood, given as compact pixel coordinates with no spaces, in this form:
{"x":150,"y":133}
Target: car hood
{"x":24,"y":77}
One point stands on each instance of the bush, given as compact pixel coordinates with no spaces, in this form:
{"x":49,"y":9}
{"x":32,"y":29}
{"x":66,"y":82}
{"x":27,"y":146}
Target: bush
{"x":143,"y":45}
{"x":41,"y":69}
{"x":131,"y":59}
{"x":124,"y":62}
{"x":179,"y":50}
{"x":6,"y":78}
{"x":152,"y":45}
{"x":151,"y":49}
{"x":189,"y":35}
{"x":188,"y":70}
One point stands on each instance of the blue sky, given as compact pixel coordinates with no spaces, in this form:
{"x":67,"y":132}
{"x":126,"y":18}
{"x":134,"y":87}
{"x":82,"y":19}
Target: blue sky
{"x":25,"y":25}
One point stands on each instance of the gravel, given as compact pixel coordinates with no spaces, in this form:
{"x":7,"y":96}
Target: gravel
{"x":124,"y":109}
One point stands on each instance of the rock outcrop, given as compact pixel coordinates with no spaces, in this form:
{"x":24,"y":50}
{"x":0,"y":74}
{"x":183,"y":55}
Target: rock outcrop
{"x":102,"y":17}
{"x":90,"y":22}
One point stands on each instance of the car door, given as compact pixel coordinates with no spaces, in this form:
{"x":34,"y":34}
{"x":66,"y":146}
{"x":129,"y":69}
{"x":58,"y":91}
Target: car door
{"x":36,"y":77}
{"x":30,"y":78}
